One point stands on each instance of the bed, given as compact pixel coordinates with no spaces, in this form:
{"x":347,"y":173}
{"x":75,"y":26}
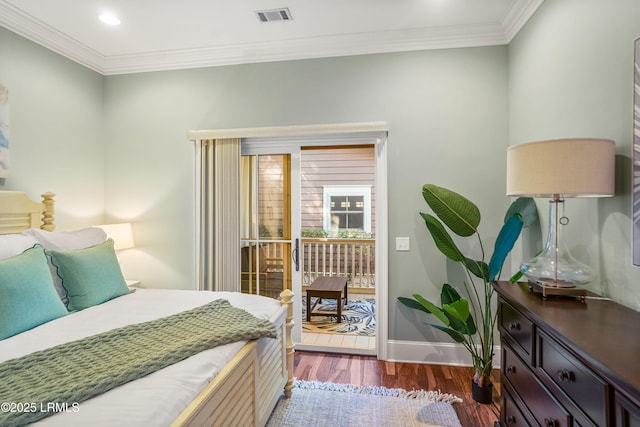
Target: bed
{"x":234,"y":384}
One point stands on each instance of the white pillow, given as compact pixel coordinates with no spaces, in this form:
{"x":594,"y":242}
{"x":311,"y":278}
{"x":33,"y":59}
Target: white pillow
{"x":14,"y":244}
{"x":65,"y":241}
{"x":68,"y":240}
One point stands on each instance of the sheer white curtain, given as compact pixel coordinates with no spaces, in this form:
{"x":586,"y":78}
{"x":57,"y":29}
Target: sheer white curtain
{"x":219,"y":225}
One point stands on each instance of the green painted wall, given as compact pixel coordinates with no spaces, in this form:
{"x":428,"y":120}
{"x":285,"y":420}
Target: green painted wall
{"x":115,"y":147}
{"x":571,"y":75}
{"x":56,"y":118}
{"x":448,"y":115}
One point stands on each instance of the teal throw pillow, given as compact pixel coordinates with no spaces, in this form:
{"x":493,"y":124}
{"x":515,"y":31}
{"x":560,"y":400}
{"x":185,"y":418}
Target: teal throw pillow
{"x":90,"y":276}
{"x":27,"y":295}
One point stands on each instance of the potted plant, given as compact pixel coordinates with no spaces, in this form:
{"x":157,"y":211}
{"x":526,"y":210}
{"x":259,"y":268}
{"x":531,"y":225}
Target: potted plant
{"x":471,"y":321}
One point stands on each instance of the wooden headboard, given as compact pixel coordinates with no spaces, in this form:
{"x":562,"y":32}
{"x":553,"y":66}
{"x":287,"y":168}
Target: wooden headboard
{"x":18,"y":212}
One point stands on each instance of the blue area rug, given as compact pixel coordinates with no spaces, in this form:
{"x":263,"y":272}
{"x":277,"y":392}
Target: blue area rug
{"x":358,"y":317}
{"x":321,"y":404}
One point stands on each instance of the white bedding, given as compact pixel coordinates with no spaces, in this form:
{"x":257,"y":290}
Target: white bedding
{"x":157,"y":399}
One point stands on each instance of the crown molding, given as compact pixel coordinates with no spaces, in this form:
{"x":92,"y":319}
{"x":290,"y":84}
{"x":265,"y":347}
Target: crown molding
{"x":282,"y":132}
{"x":26,"y":26}
{"x":317,"y":47}
{"x":499,"y":33}
{"x":517,"y":17}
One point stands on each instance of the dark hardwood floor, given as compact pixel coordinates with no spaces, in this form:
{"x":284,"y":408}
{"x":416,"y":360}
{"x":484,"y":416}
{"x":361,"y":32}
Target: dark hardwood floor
{"x":367,"y":370}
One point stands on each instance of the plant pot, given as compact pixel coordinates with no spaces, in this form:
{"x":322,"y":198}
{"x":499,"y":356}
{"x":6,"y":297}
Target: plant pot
{"x":482,"y":394}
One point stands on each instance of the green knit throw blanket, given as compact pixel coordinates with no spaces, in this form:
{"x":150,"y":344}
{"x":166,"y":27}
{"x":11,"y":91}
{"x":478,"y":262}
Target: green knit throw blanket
{"x":73,"y":372}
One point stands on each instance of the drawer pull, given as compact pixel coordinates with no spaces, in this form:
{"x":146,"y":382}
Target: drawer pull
{"x":515,"y":326}
{"x":511,"y":369}
{"x":566,"y":376}
{"x":550,"y":422}
{"x":511,"y":419}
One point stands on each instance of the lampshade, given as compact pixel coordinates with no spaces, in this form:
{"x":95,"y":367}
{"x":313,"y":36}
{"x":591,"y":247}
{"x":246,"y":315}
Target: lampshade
{"x":120,"y":233}
{"x":560,"y":168}
{"x":576,"y":167}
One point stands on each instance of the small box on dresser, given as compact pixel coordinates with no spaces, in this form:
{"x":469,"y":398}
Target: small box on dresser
{"x":566,"y":362}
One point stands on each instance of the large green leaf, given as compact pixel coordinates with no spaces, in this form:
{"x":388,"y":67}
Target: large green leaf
{"x":467,"y":328}
{"x":456,"y":211}
{"x":411,"y":303}
{"x":477,"y":268}
{"x":448,"y":295}
{"x":433,"y":309}
{"x":527,"y":209}
{"x":451,"y":320}
{"x":454,"y":323}
{"x":457,"y":336}
{"x":459,"y":310}
{"x":443,"y":241}
{"x":471,"y":327}
{"x":504,"y":243}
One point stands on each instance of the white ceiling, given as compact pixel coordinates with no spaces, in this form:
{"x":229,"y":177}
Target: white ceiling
{"x":174,"y":34}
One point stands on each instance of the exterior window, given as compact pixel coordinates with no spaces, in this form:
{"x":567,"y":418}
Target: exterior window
{"x":347,"y":207}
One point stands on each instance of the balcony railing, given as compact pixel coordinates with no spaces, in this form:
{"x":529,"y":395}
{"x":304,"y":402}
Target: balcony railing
{"x":350,"y":258}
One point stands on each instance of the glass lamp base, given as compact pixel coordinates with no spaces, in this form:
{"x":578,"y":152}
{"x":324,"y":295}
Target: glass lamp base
{"x":554,"y":266}
{"x":559,"y":283}
{"x":554,"y":291}
{"x":563,"y":272}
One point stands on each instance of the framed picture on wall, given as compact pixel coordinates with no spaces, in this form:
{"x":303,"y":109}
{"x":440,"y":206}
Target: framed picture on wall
{"x":636,"y":153}
{"x":4,"y":131}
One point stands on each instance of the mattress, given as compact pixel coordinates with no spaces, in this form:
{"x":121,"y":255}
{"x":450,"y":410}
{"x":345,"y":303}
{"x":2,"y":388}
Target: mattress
{"x":158,"y":398}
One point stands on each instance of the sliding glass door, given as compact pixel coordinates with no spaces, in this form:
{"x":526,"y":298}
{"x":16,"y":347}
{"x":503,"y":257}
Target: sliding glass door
{"x":265,"y":232}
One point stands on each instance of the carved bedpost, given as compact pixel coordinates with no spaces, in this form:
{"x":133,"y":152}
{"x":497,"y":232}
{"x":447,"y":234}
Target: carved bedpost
{"x":48,"y":215}
{"x":287,"y":297}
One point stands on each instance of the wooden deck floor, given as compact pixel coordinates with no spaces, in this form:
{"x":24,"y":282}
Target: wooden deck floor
{"x":367,"y":370}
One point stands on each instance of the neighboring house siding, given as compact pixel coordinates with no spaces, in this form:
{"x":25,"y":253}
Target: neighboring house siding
{"x":270,"y":196}
{"x":333,"y":166}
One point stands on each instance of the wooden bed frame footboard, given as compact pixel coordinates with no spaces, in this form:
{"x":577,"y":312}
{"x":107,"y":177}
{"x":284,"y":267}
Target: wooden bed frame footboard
{"x":245,"y":392}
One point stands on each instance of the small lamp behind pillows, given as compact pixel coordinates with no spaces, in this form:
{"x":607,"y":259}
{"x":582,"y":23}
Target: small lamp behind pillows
{"x":560,"y":169}
{"x":120,"y":233}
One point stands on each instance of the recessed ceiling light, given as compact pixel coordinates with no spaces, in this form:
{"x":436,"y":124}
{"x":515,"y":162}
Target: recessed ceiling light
{"x":109,"y":18}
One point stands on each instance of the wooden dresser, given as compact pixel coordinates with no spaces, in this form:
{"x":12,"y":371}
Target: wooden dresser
{"x":567,"y":363}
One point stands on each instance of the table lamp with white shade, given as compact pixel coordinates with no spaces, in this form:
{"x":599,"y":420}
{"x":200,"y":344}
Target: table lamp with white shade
{"x":120,"y":233}
{"x":559,"y":169}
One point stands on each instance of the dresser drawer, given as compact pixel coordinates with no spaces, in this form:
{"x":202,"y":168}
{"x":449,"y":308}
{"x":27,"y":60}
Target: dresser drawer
{"x":627,"y":414}
{"x":512,"y":415}
{"x":544,"y":407}
{"x":587,"y":391}
{"x":518,"y":327}
{"x":583,"y":353}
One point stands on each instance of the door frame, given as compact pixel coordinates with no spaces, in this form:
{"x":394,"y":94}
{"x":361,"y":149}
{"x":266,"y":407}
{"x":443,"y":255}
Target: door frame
{"x":329,"y":134}
{"x":254,"y":147}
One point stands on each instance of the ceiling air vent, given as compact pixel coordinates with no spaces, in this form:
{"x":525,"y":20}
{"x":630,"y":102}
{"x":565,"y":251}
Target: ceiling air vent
{"x":281,"y":14}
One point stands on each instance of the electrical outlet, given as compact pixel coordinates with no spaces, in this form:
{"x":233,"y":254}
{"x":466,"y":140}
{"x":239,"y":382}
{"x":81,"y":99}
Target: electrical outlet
{"x":403,"y":244}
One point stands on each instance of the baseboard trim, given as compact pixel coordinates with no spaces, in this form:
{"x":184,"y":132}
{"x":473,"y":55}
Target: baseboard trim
{"x":329,"y":349}
{"x":433,"y":353}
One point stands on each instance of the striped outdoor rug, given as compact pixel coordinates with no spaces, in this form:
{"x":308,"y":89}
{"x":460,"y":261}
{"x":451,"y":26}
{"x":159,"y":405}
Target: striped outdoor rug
{"x":358,"y":318}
